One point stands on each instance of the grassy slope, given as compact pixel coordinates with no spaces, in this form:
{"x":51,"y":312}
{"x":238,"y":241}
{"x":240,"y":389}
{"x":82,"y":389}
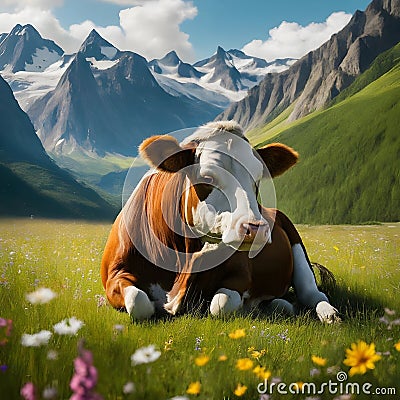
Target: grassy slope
{"x":65,"y":257}
{"x":348,"y":170}
{"x":28,"y":189}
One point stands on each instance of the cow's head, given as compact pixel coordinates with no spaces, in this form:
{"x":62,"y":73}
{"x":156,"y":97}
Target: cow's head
{"x":224,"y":172}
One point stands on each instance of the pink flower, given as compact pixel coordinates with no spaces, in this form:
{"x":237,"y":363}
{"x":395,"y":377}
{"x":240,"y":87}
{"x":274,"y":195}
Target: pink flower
{"x":28,"y":391}
{"x":85,"y":378}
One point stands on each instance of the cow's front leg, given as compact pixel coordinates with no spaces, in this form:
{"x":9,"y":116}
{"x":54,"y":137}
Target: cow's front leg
{"x":225,"y":301}
{"x":137,"y":303}
{"x":306,"y":287}
{"x":189,"y":283}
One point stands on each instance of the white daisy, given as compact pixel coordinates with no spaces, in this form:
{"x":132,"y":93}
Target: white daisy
{"x":41,"y":296}
{"x":128,"y":388}
{"x":36,"y":340}
{"x":68,"y":326}
{"x":145,"y":355}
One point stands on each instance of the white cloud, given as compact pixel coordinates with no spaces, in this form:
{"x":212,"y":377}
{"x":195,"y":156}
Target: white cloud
{"x":150,"y":28}
{"x":290,"y":39}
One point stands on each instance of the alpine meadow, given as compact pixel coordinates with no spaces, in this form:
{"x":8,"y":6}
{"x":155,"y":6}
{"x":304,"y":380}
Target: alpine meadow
{"x":76,"y":127}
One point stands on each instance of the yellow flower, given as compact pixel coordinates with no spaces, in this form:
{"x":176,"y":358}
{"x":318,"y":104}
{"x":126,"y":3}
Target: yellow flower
{"x":336,"y":248}
{"x":321,"y":362}
{"x":243,"y":364}
{"x":361,"y":357}
{"x":261,"y":373}
{"x":237,"y":334}
{"x":223,"y":357}
{"x":298,"y":386}
{"x":194,"y":388}
{"x":257,"y":354}
{"x":168,"y":344}
{"x":240,"y":390}
{"x":397,"y":346}
{"x":201,"y":360}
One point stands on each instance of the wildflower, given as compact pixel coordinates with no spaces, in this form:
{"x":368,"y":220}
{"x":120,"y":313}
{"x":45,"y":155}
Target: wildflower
{"x":336,"y":248}
{"x":128,"y":388}
{"x":222,"y":357}
{"x":36,"y":340}
{"x":201,"y":360}
{"x":390,"y":312}
{"x":168,"y":344}
{"x":361,"y":357}
{"x":50,"y":393}
{"x":100,"y":300}
{"x":85,"y":378}
{"x":261,"y":373}
{"x":194,"y":388}
{"x":118,"y":328}
{"x":397,"y":346}
{"x":145,"y":355}
{"x":28,"y":391}
{"x":298,"y":386}
{"x":314,"y":372}
{"x":256,"y":353}
{"x":240,"y":390}
{"x":52,"y":355}
{"x":7,"y":325}
{"x":69,"y":326}
{"x":284,"y":336}
{"x":321,"y":362}
{"x":41,"y":296}
{"x":197,"y":347}
{"x":3,"y":368}
{"x":243,"y":364}
{"x":237,"y":334}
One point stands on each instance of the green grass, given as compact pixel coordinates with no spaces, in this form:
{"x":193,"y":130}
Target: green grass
{"x":347,"y":172}
{"x":65,"y":257}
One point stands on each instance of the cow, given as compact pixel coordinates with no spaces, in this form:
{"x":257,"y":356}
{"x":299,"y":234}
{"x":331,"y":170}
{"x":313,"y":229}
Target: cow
{"x":193,"y":232}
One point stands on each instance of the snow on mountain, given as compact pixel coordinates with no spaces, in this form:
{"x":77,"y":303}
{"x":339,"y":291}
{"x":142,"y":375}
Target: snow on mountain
{"x":96,"y":99}
{"x":23,"y":49}
{"x":223,"y":78}
{"x":28,"y":86}
{"x":98,"y":48}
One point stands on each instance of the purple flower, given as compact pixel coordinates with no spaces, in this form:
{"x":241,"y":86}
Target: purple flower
{"x":85,"y":378}
{"x":28,"y":391}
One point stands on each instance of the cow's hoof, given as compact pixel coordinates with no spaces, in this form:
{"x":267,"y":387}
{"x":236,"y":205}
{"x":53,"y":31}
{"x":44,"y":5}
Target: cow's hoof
{"x":225,"y":301}
{"x":327,"y":313}
{"x":137,"y":303}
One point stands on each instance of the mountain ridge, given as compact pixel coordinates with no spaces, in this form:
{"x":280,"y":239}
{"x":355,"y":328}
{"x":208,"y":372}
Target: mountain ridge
{"x":321,"y":74}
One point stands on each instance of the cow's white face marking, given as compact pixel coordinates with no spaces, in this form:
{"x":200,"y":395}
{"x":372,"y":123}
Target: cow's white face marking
{"x":230,"y":211}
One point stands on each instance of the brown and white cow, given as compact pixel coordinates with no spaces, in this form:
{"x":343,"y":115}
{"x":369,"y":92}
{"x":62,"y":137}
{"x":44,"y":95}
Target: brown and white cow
{"x":193,"y":231}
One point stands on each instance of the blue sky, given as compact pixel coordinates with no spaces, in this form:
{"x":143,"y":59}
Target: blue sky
{"x":193,"y":28}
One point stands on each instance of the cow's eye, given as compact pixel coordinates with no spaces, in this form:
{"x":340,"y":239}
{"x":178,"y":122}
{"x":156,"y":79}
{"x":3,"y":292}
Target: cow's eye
{"x":207,"y":180}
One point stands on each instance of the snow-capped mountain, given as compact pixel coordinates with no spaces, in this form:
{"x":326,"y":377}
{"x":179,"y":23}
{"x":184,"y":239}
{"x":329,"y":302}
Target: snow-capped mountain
{"x":104,"y":100}
{"x":224,"y":77}
{"x":108,"y":106}
{"x":98,"y":48}
{"x":23,"y":49}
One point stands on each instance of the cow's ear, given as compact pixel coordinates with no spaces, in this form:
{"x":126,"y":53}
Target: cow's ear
{"x":278,"y":158}
{"x":163,"y":152}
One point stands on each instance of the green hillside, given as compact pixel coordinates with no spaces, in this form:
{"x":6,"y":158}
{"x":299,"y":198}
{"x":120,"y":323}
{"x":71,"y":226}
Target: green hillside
{"x":349,"y":158}
{"x":27,"y":189}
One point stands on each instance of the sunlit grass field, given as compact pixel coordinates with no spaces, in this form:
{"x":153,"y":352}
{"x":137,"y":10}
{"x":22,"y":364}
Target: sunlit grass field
{"x":65,"y":257}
